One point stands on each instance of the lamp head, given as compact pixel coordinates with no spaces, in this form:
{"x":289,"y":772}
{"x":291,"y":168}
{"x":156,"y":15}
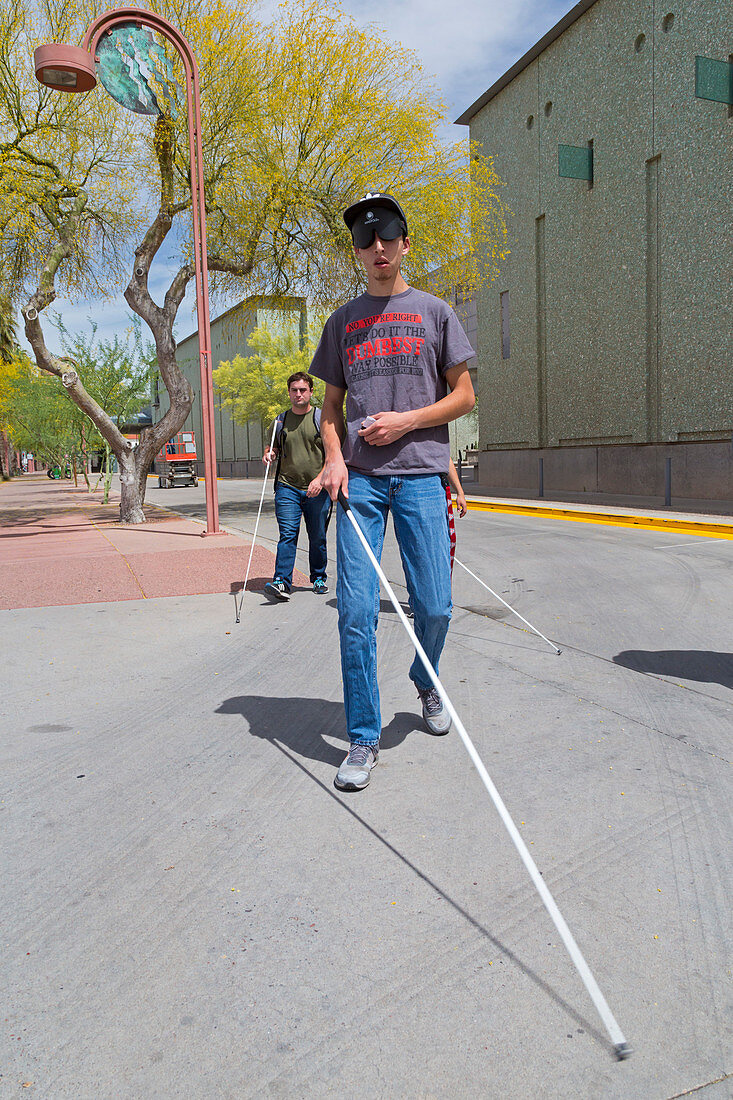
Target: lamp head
{"x":65,"y":68}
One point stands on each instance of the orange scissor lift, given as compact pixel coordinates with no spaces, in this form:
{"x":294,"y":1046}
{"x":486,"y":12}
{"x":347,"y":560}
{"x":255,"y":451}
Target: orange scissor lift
{"x":175,"y":461}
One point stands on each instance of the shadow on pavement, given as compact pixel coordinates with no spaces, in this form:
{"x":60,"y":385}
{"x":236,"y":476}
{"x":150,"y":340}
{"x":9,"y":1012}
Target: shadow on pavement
{"x":227,"y":509}
{"x":705,"y":666}
{"x":289,"y":722}
{"x":254,"y":584}
{"x":301,"y":723}
{"x":385,"y":606}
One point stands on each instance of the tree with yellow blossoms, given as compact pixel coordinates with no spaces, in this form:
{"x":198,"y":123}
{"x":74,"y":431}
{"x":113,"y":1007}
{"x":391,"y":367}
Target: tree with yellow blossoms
{"x":300,"y":117}
{"x":255,"y":387}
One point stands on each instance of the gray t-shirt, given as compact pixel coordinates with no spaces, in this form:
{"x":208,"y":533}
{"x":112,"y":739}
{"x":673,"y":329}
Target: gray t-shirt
{"x":391,"y":355}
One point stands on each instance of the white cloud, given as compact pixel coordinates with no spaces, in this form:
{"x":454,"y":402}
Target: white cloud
{"x":465,"y":46}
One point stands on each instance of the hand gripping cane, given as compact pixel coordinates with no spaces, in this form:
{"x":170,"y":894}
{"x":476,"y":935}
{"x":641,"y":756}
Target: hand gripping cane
{"x":621,"y":1047}
{"x":257,"y":523}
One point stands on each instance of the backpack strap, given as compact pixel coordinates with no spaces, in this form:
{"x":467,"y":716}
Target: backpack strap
{"x":278,"y":442}
{"x":279,"y":422}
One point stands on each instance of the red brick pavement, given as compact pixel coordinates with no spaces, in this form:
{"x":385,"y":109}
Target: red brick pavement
{"x":60,"y":545}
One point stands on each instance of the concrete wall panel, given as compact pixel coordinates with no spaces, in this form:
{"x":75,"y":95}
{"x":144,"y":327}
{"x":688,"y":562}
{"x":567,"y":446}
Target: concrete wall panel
{"x":699,"y":471}
{"x":599,"y":81}
{"x":508,"y":395}
{"x":695,"y":140}
{"x":621,"y":294}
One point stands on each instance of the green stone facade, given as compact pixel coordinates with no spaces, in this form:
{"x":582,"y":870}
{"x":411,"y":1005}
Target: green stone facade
{"x":620,"y":332}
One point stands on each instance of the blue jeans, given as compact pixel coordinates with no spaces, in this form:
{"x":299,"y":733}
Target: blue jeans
{"x":418,"y":507}
{"x":290,"y":505}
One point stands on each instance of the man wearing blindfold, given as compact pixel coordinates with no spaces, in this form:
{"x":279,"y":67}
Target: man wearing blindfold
{"x":396,"y":357}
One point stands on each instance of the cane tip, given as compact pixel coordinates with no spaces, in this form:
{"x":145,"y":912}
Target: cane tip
{"x":622,"y":1051}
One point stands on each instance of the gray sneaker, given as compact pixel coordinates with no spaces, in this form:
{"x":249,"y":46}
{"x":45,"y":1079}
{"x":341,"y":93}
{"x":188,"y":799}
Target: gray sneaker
{"x":354,"y":773}
{"x":436,"y":717}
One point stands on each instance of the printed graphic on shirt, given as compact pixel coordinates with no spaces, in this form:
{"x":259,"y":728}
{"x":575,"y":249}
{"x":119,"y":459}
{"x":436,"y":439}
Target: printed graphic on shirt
{"x":392,"y":355}
{"x":385,"y":344}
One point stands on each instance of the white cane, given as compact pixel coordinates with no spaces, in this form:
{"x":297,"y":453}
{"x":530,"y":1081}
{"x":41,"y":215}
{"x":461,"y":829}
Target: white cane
{"x":257,"y":523}
{"x":621,"y":1047}
{"x":514,"y":612}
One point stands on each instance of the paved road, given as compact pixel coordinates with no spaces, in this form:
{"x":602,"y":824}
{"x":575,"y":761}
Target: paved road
{"x":191,"y":910}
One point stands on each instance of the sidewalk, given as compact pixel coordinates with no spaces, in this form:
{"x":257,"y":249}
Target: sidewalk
{"x":60,"y":545}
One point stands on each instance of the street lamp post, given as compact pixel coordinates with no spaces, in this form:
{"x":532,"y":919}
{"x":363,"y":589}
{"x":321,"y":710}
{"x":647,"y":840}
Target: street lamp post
{"x":72,"y":69}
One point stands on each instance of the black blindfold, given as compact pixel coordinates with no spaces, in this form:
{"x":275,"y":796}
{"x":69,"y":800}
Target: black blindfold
{"x":385,"y":224}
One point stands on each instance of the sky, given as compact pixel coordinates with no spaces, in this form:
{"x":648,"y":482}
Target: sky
{"x":464,"y":46}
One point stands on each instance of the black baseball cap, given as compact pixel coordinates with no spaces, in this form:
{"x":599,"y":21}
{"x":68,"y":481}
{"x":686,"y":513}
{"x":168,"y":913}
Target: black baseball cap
{"x":376,"y":213}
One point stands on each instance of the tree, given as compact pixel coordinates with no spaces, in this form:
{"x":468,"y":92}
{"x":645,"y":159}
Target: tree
{"x":40,"y":415}
{"x":65,"y":208}
{"x":256,"y":386}
{"x":8,"y":351}
{"x":8,"y":334}
{"x":298,"y":119}
{"x":37,"y":415}
{"x":117,"y":376}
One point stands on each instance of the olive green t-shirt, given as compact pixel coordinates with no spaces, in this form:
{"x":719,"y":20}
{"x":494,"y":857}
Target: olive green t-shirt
{"x":302,"y":456}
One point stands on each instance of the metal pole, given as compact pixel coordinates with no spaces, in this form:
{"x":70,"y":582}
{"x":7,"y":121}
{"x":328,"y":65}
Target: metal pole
{"x":202,"y":306}
{"x":140,"y":16}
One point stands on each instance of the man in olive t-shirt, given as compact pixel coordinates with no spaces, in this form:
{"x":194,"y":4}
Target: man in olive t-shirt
{"x":299,"y":451}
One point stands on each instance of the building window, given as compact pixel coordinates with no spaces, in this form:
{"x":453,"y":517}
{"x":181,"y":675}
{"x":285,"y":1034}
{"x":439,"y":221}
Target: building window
{"x":576,"y":162}
{"x":504,"y":304}
{"x":714,"y":80}
{"x":462,"y":295}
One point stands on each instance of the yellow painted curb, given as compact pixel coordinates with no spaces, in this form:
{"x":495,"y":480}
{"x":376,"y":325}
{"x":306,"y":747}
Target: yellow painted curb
{"x":658,"y":523}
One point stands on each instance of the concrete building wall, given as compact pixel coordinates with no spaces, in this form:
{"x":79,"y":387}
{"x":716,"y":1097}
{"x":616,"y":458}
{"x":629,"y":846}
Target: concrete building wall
{"x":462,"y":433}
{"x":508,"y":387}
{"x":694,"y":142}
{"x":620,"y":292}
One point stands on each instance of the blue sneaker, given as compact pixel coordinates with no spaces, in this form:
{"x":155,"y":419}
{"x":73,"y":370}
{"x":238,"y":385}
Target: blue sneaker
{"x":277,"y":590}
{"x":320,"y":587}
